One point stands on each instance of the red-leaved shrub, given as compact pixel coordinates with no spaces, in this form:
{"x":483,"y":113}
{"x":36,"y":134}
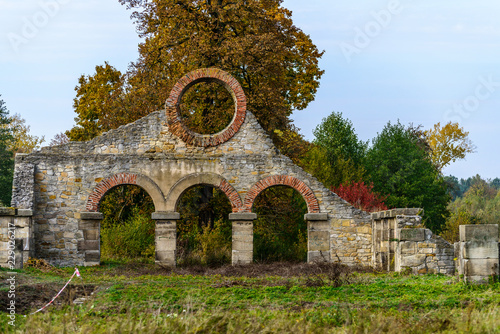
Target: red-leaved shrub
{"x":361,"y":196}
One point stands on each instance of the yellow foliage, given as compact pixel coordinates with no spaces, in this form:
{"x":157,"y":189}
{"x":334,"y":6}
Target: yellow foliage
{"x":448,"y":144}
{"x":22,"y":141}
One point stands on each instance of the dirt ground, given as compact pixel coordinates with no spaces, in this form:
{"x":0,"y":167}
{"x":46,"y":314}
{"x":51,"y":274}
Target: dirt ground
{"x":33,"y":297}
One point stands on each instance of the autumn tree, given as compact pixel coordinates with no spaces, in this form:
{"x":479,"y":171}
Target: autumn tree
{"x":448,"y":144}
{"x":6,"y":160}
{"x":99,"y":103}
{"x":255,"y":41}
{"x":399,"y":166}
{"x":22,"y":141}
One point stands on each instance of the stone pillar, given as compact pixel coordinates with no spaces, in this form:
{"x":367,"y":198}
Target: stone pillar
{"x":16,"y":237}
{"x":90,"y":246}
{"x":242,"y":237}
{"x":165,"y":237}
{"x":478,"y":252}
{"x":318,"y":237}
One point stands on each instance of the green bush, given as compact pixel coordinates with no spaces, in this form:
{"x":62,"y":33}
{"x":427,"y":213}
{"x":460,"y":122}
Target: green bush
{"x":135,"y":237}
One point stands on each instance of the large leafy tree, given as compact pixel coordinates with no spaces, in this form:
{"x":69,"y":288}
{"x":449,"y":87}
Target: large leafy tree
{"x":338,"y":155}
{"x":255,"y":41}
{"x":6,"y":156}
{"x":399,"y":166}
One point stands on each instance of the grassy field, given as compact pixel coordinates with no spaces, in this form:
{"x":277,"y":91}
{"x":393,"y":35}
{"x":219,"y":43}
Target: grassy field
{"x":137,"y":297}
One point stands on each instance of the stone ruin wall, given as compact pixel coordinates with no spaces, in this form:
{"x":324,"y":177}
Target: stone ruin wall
{"x":58,"y":184}
{"x":57,"y":190}
{"x":401,"y":243}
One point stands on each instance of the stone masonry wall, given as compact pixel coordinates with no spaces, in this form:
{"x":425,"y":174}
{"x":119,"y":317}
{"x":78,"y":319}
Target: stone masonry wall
{"x":66,"y":176}
{"x":401,"y":243}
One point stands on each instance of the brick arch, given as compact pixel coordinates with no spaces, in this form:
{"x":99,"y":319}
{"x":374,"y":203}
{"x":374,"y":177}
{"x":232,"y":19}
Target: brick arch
{"x":282,"y":180}
{"x":175,"y":123}
{"x":191,"y":180}
{"x":123,"y":179}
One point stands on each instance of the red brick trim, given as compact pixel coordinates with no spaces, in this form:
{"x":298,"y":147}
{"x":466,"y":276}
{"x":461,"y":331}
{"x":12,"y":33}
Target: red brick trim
{"x":285,"y":180}
{"x":231,"y":194}
{"x":205,"y":75}
{"x":102,"y":188}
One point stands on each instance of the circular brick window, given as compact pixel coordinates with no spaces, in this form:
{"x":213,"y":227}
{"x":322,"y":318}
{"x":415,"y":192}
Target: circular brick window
{"x":207,"y":108}
{"x":179,"y":113}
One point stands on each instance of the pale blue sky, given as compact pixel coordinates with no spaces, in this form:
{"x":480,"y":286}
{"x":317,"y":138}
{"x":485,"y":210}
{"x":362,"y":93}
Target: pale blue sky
{"x":417,"y":61}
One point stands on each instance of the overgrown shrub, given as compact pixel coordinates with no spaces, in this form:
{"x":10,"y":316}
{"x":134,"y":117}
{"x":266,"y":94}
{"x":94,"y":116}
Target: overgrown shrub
{"x":204,"y":230}
{"x":134,"y":237}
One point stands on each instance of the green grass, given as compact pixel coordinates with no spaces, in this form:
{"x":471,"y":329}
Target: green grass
{"x":135,"y":299}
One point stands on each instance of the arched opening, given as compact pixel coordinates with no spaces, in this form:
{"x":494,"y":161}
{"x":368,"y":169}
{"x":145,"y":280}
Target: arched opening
{"x":280,"y":232}
{"x":127,"y":230}
{"x":204,"y":228}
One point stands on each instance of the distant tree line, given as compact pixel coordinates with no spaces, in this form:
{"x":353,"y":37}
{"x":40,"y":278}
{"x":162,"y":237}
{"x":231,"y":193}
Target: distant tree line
{"x":458,"y":187}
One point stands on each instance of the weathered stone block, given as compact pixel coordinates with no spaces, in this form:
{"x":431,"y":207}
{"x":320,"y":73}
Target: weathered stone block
{"x":87,"y":234}
{"x":408,"y":247}
{"x":163,"y":243}
{"x":242,"y":245}
{"x":480,"y":267}
{"x":318,"y":256}
{"x":85,"y":245}
{"x":412,"y":234}
{"x":165,"y":258}
{"x":480,"y":250}
{"x":318,"y":240}
{"x":165,"y":215}
{"x":316,"y":216}
{"x":318,"y":225}
{"x":89,"y":225}
{"x":241,"y":258}
{"x":480,"y":232}
{"x":7,"y":211}
{"x":24,"y":212}
{"x":93,"y":256}
{"x":413,"y":260}
{"x":89,"y":215}
{"x":242,"y":228}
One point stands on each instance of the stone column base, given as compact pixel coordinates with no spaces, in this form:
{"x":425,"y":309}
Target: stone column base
{"x":90,"y":225}
{"x":166,"y":237}
{"x":318,"y":237}
{"x":242,"y":252}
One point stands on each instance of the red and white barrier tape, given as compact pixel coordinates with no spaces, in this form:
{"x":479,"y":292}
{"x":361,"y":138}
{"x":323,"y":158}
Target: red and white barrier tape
{"x":77,"y":273}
